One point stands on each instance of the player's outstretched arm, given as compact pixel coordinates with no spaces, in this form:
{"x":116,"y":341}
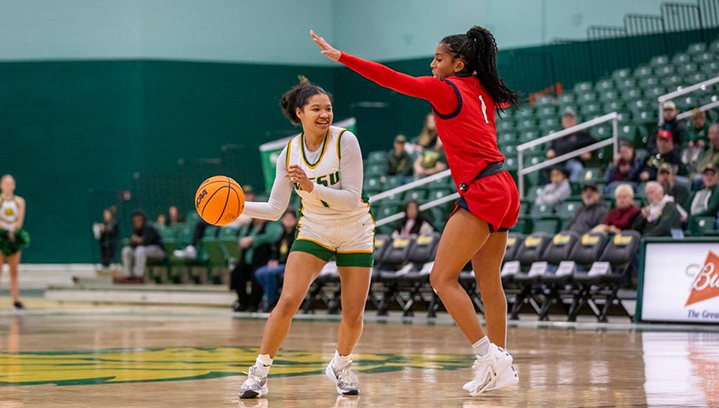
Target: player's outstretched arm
{"x":279,"y":197}
{"x":439,"y":93}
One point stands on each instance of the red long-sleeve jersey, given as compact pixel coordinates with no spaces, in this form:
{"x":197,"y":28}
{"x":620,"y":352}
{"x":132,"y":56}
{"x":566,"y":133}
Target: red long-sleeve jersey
{"x":463,"y":109}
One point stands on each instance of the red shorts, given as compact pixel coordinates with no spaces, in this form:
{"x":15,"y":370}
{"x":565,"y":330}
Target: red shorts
{"x":494,"y":199}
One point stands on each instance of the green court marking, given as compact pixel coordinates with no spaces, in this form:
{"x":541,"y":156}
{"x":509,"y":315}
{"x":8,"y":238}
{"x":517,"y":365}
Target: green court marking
{"x":122,"y":366}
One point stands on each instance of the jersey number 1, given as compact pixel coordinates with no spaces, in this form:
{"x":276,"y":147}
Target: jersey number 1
{"x":484,"y":109}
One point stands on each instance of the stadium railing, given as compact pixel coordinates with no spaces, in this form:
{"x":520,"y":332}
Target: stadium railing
{"x":614,"y":140}
{"x":700,"y":86}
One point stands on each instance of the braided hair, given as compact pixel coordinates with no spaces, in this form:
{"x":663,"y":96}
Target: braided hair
{"x":298,"y":96}
{"x":478,"y":49}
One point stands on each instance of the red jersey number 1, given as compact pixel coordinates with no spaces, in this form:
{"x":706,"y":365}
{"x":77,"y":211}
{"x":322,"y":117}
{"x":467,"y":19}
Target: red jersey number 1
{"x":484,"y":109}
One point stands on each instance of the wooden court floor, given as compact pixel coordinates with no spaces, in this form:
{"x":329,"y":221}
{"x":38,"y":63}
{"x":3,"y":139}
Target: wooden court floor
{"x":195,"y":358}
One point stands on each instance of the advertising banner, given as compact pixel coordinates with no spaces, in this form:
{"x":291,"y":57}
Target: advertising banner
{"x":681,"y":282}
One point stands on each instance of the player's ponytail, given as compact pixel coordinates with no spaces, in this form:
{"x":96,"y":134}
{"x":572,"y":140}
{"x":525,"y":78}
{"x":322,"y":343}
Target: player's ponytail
{"x":298,"y":96}
{"x":479,"y":50}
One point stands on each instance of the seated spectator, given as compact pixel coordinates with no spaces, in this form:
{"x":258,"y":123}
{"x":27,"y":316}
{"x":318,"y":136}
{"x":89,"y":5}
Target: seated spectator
{"x":622,"y":217}
{"x":710,"y":155}
{"x":556,"y":191}
{"x":174,"y":216}
{"x":108,"y":233}
{"x":243,"y":219}
{"x":696,"y":139}
{"x":161,"y":221}
{"x":625,"y":168}
{"x":399,"y":162}
{"x":145,"y":242}
{"x":675,"y":127}
{"x":269,"y":275}
{"x":705,"y":202}
{"x":571,"y":143}
{"x":664,"y":153}
{"x":427,"y":138}
{"x":431,"y":161}
{"x":668,"y":179}
{"x":659,"y":217}
{"x":413,"y":223}
{"x":256,"y":244}
{"x":592,"y":212}
{"x":190,"y":251}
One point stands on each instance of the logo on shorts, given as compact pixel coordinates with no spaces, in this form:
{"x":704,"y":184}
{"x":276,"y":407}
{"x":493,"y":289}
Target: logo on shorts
{"x":706,"y":282}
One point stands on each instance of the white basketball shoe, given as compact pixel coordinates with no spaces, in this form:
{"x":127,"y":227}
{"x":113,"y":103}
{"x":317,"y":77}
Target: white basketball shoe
{"x":488,"y":369}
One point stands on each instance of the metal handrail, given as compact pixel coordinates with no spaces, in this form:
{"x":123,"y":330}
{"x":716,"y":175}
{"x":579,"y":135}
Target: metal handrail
{"x":521,"y":171}
{"x":704,"y":108}
{"x":409,"y":186}
{"x":425,"y":206}
{"x":683,"y":91}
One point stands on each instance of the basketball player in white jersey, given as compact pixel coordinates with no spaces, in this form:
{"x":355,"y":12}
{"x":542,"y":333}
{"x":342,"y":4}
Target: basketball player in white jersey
{"x":12,"y":237}
{"x":324,"y":166}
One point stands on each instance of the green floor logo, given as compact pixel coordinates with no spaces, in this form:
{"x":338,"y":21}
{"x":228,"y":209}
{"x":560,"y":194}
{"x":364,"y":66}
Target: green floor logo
{"x":189,"y":363}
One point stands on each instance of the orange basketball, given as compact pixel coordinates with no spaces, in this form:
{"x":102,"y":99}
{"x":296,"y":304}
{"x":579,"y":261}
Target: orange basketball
{"x":219,"y":200}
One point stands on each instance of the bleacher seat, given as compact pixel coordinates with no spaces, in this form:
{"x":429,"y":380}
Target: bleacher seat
{"x":603,"y":280}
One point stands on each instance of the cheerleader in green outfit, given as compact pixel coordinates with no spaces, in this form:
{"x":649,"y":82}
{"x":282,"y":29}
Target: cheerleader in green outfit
{"x":12,"y":237}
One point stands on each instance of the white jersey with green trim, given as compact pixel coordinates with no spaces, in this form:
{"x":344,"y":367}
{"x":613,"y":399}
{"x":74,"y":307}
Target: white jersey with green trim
{"x":325,"y":168}
{"x":9,"y":212}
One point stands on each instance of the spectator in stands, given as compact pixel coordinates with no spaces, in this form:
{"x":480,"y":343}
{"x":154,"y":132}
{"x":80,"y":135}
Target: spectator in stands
{"x":659,"y":217}
{"x":145,"y":242}
{"x":622,"y":217}
{"x":413,"y":223}
{"x":668,"y":179}
{"x":399,"y":162}
{"x":431,"y":161}
{"x":696,"y":139}
{"x":705,"y":202}
{"x":557,"y":191}
{"x":625,"y":168}
{"x":427,"y":139}
{"x":173,"y":216}
{"x":710,"y":155}
{"x":108,"y":233}
{"x":256,"y":244}
{"x":161,"y":221}
{"x":571,"y":143}
{"x":592,"y":212}
{"x":675,"y":127}
{"x":243,"y":219}
{"x":269,"y":275}
{"x":664,"y":153}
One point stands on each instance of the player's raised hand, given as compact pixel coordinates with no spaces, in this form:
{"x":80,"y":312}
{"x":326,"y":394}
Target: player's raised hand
{"x":327,"y":50}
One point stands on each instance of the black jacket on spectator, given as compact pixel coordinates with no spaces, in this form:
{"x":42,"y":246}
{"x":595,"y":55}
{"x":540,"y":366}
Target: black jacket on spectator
{"x":652,"y":163}
{"x":149,"y":234}
{"x":662,"y":226}
{"x":679,"y":192}
{"x":677,"y":127}
{"x":572,"y":142}
{"x":631,"y":174}
{"x":401,"y":165}
{"x":108,"y":242}
{"x":281,"y":249}
{"x":587,"y":218}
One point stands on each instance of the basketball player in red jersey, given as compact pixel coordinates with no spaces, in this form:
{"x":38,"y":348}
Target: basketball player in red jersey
{"x":465,"y":91}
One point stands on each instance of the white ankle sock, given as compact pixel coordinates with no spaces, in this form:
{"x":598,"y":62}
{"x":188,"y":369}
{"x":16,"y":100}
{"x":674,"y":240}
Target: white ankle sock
{"x":339,"y":361}
{"x":481,"y":347}
{"x":263,"y":364}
